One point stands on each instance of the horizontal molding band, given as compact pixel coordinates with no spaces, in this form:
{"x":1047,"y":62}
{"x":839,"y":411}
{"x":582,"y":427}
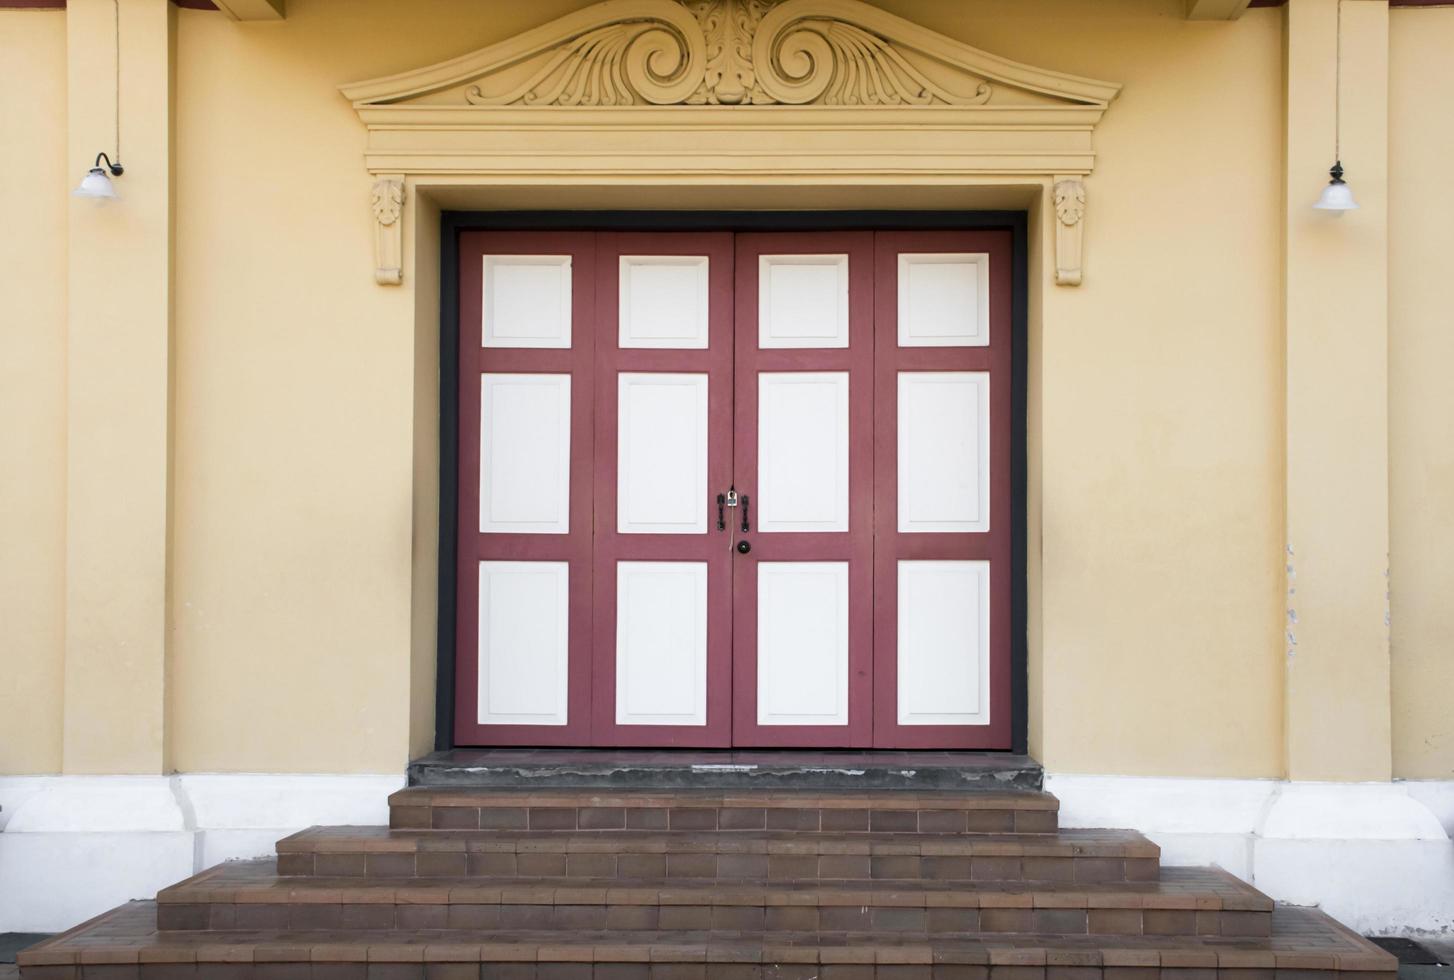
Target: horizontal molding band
{"x":61,"y":4}
{"x":208,"y":5}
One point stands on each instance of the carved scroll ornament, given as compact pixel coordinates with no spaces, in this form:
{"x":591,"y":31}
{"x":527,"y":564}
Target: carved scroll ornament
{"x":652,"y":52}
{"x":730,"y":52}
{"x":727,"y":52}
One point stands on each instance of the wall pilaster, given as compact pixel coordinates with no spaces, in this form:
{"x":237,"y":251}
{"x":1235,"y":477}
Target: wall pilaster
{"x":1337,"y":642}
{"x":118,"y":400}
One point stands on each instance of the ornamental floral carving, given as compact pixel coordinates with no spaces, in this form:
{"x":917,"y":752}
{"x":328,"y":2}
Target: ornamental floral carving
{"x":387,"y":200}
{"x":728,"y":27}
{"x":1069,"y":201}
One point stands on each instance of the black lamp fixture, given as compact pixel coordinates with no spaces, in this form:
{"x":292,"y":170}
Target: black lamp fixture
{"x":97,"y":182}
{"x":1337,"y":196}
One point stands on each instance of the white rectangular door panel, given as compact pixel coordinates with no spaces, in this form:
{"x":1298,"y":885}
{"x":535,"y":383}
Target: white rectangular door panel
{"x":944,"y":299}
{"x":944,"y":451}
{"x":661,"y":643}
{"x":664,"y":301}
{"x":525,"y":453}
{"x":802,"y":301}
{"x":802,"y":643}
{"x":944,"y":642}
{"x":661,"y":465}
{"x":802,"y":447}
{"x":527,"y":301}
{"x":524,"y":634}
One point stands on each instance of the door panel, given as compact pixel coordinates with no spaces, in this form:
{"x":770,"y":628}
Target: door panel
{"x":802,"y":643}
{"x":661,"y":643}
{"x":524,"y":643}
{"x":941,"y":443}
{"x":525,"y":452}
{"x":664,"y":301}
{"x":943,"y":299}
{"x":527,"y":301}
{"x":802,"y":451}
{"x":526,"y":382}
{"x":661,"y":458}
{"x":803,"y":300}
{"x":944,"y":451}
{"x":663,"y":450}
{"x":943,"y":643}
{"x":802,"y":597}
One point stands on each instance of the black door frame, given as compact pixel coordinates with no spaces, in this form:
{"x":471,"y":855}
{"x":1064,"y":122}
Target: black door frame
{"x":454,"y":222}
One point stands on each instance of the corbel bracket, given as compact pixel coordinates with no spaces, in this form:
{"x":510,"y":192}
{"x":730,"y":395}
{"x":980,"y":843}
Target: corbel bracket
{"x":387,"y":201}
{"x":1069,"y":194}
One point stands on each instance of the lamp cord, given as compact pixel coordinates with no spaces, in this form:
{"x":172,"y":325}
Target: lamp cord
{"x":116,"y":7}
{"x":1337,"y":87}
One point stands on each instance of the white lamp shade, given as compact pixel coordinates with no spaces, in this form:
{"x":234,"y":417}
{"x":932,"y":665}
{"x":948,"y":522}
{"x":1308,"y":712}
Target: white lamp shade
{"x":1337,"y":196}
{"x":95,"y":184}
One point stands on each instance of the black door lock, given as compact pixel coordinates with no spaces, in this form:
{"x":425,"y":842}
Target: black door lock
{"x":743,"y":547}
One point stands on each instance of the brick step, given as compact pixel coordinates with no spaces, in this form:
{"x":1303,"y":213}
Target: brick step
{"x":125,"y":943}
{"x":249,"y":895}
{"x":895,"y":811}
{"x":378,"y":852}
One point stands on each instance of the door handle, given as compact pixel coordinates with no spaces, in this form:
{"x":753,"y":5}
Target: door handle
{"x":746,"y":525}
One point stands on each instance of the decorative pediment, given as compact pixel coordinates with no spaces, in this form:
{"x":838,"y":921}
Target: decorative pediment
{"x":796,"y":92}
{"x":731,"y":52}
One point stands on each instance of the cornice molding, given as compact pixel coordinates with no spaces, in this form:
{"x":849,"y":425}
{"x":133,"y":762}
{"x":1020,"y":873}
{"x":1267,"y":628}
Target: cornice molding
{"x":677,"y":91}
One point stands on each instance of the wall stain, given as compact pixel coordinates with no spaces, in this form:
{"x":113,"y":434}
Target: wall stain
{"x":1291,"y":610}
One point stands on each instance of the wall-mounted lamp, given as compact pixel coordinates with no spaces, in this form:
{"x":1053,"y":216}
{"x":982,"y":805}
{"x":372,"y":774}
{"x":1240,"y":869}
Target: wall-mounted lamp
{"x":97,"y":183}
{"x":1337,"y":196}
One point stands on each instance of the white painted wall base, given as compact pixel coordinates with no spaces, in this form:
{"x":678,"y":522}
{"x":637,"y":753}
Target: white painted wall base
{"x":1376,"y":856}
{"x":72,"y":847}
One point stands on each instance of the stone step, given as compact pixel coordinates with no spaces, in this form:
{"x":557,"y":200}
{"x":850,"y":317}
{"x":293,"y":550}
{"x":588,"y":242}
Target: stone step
{"x":979,"y":812}
{"x":1186,"y":901}
{"x":778,"y":770}
{"x":125,"y":943}
{"x":377,"y":852}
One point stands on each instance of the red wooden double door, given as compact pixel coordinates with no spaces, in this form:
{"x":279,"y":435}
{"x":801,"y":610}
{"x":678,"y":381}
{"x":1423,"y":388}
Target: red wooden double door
{"x":734,"y":489}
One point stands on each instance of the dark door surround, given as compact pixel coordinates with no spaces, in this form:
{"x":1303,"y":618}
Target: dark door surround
{"x":453,"y":223}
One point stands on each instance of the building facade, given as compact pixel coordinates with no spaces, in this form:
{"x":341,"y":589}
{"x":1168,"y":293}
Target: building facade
{"x":388,"y":408}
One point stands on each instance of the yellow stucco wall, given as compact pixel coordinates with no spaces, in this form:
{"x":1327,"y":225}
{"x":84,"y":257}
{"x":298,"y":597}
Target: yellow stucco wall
{"x":294,"y":407}
{"x":302,"y":471}
{"x":32,"y":388}
{"x":1421,"y":399}
{"x":1161,"y":393}
{"x":1160,"y":398}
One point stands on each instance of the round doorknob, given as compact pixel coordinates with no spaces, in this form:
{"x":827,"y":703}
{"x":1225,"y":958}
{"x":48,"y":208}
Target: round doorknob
{"x":743,"y":547}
